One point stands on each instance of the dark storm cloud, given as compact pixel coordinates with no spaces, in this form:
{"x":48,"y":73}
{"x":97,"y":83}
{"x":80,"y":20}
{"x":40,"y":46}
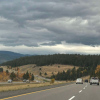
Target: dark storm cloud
{"x":34,"y":22}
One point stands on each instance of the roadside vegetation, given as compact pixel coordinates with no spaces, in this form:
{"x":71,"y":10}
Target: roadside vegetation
{"x":96,"y":72}
{"x":13,"y":87}
{"x":5,"y":75}
{"x":72,"y":74}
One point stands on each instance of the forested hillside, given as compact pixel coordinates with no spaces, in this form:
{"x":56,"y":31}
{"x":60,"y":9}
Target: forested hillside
{"x":87,"y":64}
{"x":68,"y":59}
{"x":72,"y":74}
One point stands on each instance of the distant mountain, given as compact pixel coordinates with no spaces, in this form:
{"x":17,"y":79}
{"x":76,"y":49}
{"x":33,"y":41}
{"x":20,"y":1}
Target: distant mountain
{"x":8,"y":56}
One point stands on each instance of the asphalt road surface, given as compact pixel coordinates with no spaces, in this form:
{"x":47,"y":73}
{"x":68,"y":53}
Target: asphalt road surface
{"x":67,"y":92}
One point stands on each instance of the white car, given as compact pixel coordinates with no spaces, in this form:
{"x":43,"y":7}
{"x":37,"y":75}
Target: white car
{"x":27,"y":81}
{"x":94,"y":80}
{"x":79,"y":81}
{"x":9,"y":81}
{"x":24,"y":80}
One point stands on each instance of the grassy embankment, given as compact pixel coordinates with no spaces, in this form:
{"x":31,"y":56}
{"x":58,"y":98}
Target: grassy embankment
{"x":13,"y":87}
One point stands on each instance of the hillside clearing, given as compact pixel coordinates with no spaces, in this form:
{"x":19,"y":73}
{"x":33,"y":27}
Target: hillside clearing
{"x":50,"y":70}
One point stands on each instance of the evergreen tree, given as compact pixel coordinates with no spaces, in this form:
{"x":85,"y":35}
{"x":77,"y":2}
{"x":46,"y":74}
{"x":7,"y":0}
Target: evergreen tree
{"x":40,"y":69}
{"x":1,"y":69}
{"x":12,"y":75}
{"x":74,"y":75}
{"x":45,"y":73}
{"x":69,"y":59}
{"x":53,"y":76}
{"x":32,"y":77}
{"x":26,"y":76}
{"x":7,"y":71}
{"x":40,"y":73}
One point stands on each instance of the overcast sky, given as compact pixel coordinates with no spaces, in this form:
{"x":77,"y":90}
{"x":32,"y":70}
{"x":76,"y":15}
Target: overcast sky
{"x":50,"y":26}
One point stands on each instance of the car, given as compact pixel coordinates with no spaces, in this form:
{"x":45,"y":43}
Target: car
{"x":27,"y":81}
{"x":94,"y":80}
{"x":24,"y":80}
{"x":9,"y":81}
{"x":79,"y":81}
{"x":86,"y":80}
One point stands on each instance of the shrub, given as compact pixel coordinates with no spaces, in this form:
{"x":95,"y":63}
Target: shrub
{"x":7,"y":71}
{"x":45,"y":73}
{"x":58,"y":66}
{"x":39,"y":68}
{"x":52,"y":80}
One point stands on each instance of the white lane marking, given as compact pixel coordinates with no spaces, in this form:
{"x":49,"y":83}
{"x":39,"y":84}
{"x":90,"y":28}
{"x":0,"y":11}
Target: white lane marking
{"x":84,"y":88}
{"x":72,"y":98}
{"x":80,"y":91}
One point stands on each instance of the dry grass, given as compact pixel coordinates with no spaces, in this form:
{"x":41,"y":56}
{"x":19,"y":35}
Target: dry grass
{"x":12,"y":87}
{"x":32,"y":68}
{"x":10,"y":70}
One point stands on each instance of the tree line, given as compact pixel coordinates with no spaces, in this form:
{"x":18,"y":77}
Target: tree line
{"x":24,"y":76}
{"x":72,"y":74}
{"x":87,"y":64}
{"x":68,"y":59}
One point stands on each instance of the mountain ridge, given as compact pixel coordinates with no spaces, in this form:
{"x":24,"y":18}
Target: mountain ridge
{"x":9,"y":55}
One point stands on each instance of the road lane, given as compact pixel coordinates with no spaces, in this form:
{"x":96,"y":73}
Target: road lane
{"x":91,"y":92}
{"x":61,"y":93}
{"x":24,"y":91}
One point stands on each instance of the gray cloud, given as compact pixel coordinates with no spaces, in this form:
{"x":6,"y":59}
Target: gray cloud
{"x":49,"y":22}
{"x":51,"y":43}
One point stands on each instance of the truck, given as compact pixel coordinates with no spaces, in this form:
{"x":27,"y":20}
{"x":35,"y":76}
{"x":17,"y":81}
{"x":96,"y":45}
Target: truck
{"x":94,"y":80}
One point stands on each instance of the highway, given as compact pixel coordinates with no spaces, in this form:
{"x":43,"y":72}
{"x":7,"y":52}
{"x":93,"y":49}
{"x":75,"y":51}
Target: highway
{"x":68,"y":92}
{"x":2,"y":83}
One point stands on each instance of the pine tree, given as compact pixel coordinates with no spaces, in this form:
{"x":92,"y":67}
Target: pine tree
{"x":7,"y":71}
{"x":40,"y":73}
{"x":45,"y":73}
{"x":32,"y":77}
{"x":12,"y":75}
{"x":26,"y":76}
{"x":1,"y":69}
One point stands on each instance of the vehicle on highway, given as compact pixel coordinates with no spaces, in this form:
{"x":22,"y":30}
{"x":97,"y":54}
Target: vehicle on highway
{"x":9,"y":81}
{"x":94,"y":80}
{"x":37,"y":81}
{"x":79,"y":81}
{"x":27,"y":81}
{"x":86,"y":80}
{"x":24,"y":80}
